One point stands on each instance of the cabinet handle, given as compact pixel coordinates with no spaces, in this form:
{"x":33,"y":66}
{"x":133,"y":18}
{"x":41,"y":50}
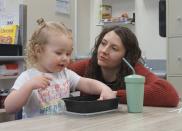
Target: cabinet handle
{"x":178,"y":18}
{"x":179,"y":58}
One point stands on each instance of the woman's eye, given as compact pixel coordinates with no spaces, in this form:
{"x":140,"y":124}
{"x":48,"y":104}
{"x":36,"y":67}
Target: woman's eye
{"x":114,"y":48}
{"x":103,"y":43}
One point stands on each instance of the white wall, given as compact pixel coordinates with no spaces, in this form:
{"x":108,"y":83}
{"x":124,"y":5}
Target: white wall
{"x":83,"y":20}
{"x":94,"y":14}
{"x":78,"y":20}
{"x":147,"y":29}
{"x":10,"y":11}
{"x":47,"y":10}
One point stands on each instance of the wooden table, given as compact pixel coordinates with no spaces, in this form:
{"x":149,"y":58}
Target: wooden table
{"x":152,"y":119}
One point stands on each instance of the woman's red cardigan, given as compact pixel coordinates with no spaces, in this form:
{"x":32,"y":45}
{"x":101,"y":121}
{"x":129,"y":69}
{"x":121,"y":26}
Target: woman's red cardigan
{"x":157,"y":91}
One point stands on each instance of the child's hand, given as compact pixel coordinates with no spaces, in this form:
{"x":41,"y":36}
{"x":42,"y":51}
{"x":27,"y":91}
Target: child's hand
{"x":107,"y":94}
{"x":41,"y":81}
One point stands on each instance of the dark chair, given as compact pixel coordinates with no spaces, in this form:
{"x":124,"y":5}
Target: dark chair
{"x":18,"y":115}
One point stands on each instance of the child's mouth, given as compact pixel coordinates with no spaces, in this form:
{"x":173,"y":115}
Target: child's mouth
{"x":61,"y":65}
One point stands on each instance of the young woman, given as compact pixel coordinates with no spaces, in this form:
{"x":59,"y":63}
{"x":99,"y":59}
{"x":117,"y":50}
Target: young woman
{"x":106,"y":65}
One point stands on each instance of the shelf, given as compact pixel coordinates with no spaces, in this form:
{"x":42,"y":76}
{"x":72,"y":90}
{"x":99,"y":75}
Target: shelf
{"x":8,"y":77}
{"x":115,"y":23}
{"x":10,"y":58}
{"x":2,"y":111}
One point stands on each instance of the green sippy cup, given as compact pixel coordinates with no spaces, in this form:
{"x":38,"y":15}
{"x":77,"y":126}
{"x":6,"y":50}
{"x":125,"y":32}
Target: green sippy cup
{"x":134,"y":91}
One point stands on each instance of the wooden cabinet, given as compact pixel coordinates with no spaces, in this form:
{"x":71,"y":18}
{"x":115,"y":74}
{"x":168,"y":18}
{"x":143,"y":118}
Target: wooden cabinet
{"x":174,"y":43}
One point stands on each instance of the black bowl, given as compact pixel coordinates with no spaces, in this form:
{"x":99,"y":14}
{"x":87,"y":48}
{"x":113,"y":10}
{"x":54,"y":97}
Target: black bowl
{"x":89,"y":104}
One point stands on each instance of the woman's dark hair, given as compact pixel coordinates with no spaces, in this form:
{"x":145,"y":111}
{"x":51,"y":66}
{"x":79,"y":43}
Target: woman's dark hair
{"x":132,"y":55}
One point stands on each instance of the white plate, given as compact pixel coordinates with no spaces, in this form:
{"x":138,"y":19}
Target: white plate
{"x":88,"y":114}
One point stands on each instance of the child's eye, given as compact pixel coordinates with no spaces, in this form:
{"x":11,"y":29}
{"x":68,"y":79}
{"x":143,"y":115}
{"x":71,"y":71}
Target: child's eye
{"x":58,"y":53}
{"x":68,"y":54}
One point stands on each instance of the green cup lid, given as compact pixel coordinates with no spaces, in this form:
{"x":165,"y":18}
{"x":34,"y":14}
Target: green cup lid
{"x":135,"y":78}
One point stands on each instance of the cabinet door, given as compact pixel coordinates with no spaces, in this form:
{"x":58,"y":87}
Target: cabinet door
{"x":174,"y":66}
{"x":174,"y":18}
{"x":177,"y":83}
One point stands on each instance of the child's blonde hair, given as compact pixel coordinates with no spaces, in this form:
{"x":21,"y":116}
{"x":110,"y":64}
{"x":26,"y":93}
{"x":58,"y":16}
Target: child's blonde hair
{"x":40,"y":38}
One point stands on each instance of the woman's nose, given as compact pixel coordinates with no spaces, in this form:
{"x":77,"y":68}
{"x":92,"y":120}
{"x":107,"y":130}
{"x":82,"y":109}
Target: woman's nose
{"x":105,"y":49}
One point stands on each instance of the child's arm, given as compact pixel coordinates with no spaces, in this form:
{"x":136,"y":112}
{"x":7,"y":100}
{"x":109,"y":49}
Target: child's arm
{"x":91,"y":86}
{"x":18,"y":98}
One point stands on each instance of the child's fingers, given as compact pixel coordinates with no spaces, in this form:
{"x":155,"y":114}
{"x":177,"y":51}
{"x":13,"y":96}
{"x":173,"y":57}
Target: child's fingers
{"x":100,"y":98}
{"x":45,"y":84}
{"x":49,"y":77}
